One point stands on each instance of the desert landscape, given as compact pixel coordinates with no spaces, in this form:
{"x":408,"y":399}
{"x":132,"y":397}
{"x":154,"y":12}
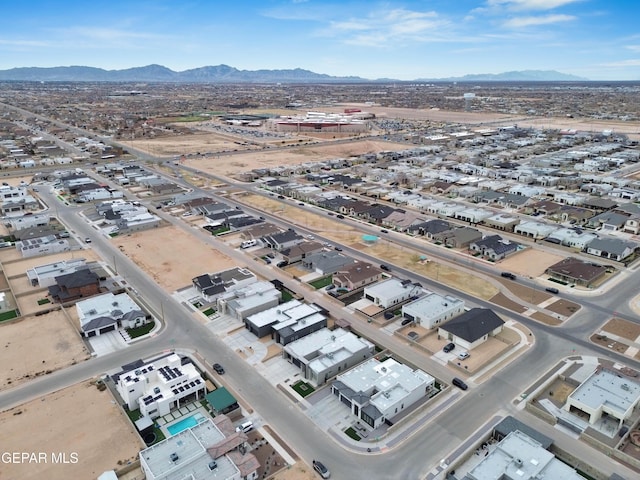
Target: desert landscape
{"x":80,"y":422}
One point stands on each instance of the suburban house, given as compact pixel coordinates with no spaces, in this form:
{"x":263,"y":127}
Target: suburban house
{"x":300,"y":251}
{"x":494,"y":247}
{"x":376,"y":392}
{"x":326,"y":262}
{"x":472,"y":328}
{"x":432,"y":309}
{"x":45,"y":275}
{"x":612,"y":248}
{"x":520,"y":456}
{"x":429,"y":228}
{"x":212,"y":286}
{"x":325,"y":353}
{"x":535,"y":230}
{"x":571,"y":237}
{"x":158,"y":387}
{"x":260,"y":230}
{"x":605,"y":392}
{"x":243,"y":301}
{"x":14,"y":200}
{"x":575,"y":271}
{"x":473,"y":215}
{"x":282,"y":240}
{"x":74,"y":285}
{"x":609,"y":221}
{"x":458,"y":237}
{"x":28,"y":221}
{"x":391,"y":292}
{"x":108,"y":312}
{"x":503,"y":222}
{"x":287,"y":322}
{"x":356,"y":275}
{"x":210,"y":449}
{"x":42,"y":246}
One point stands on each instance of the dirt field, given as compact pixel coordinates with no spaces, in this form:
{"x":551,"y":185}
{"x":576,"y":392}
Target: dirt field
{"x":622,"y":328}
{"x":171,"y":269}
{"x":504,"y":301}
{"x":51,"y":340}
{"x":528,"y":294}
{"x":564,"y":307}
{"x":78,"y":419}
{"x":244,"y":161}
{"x":530,"y":263}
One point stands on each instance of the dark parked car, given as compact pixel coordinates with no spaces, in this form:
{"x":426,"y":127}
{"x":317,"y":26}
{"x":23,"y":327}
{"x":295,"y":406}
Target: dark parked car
{"x":337,"y":249}
{"x":407,"y":321}
{"x":384,"y":231}
{"x":384,"y":267}
{"x":340,"y":216}
{"x":218,"y":368}
{"x":281,"y":197}
{"x":459,"y":383}
{"x":508,"y":275}
{"x":321,"y":469}
{"x":448,"y":347}
{"x":552,"y":290}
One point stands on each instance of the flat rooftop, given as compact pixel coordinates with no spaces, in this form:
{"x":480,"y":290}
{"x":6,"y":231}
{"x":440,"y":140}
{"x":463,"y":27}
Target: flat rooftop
{"x":605,"y":387}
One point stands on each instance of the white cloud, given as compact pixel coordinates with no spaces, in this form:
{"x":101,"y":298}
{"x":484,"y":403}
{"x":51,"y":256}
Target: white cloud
{"x":634,"y":48}
{"x":519,"y":22}
{"x":530,"y":4}
{"x":384,"y":28}
{"x":634,"y":62}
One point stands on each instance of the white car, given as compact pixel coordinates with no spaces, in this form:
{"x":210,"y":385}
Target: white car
{"x":464,"y":355}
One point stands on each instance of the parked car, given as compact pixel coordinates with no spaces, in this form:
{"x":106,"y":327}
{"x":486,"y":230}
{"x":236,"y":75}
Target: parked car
{"x":337,"y":249}
{"x":553,"y":290}
{"x":459,"y":383}
{"x":281,"y":197}
{"x":508,"y":275}
{"x":331,"y":286}
{"x":448,"y":347}
{"x":321,"y":469}
{"x":384,"y":231}
{"x":407,"y":321}
{"x":218,"y":368}
{"x":384,"y":267}
{"x":87,"y":240}
{"x":464,"y":355}
{"x":245,"y":427}
{"x":340,"y":216}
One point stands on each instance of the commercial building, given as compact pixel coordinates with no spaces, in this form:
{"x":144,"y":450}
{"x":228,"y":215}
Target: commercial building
{"x":378,"y":391}
{"x":159,"y":387}
{"x":325,"y":353}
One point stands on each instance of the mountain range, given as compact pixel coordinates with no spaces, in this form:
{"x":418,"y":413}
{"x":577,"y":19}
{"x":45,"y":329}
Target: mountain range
{"x":227,"y":74}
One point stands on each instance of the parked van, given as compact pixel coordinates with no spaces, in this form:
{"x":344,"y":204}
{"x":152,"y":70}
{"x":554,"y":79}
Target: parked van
{"x":248,"y":243}
{"x":245,"y":427}
{"x":459,"y":383}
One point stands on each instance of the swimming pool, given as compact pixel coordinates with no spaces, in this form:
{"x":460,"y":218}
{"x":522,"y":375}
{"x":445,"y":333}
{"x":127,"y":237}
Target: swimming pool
{"x":187,"y":422}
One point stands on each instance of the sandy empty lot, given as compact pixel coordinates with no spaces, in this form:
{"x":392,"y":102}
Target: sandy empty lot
{"x":76,"y":420}
{"x":172,"y":256}
{"x":530,"y":262}
{"x":35,"y":345}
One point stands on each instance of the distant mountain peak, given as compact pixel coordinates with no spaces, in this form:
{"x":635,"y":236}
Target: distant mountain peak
{"x":227,"y":74}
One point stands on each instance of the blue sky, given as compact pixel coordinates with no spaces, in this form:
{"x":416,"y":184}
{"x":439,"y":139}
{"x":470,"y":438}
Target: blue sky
{"x":595,"y":39}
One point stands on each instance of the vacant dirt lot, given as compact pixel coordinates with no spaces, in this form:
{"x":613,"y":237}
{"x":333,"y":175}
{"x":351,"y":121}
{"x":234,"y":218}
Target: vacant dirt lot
{"x":530,"y":263}
{"x":171,"y":267}
{"x":36,"y":345}
{"x":622,"y":328}
{"x":245,"y":161}
{"x":564,"y":307}
{"x":78,"y":419}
